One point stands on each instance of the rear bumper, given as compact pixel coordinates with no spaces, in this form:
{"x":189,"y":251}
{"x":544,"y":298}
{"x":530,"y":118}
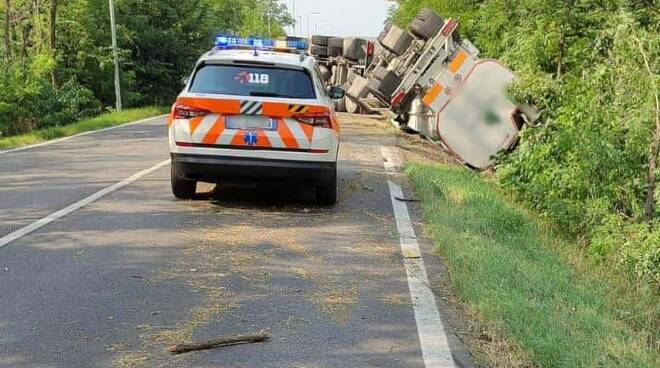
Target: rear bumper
{"x":216,"y":169}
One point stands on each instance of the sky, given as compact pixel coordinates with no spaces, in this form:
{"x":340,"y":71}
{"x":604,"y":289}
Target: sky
{"x":343,"y":18}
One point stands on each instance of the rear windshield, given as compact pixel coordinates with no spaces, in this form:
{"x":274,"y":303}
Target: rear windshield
{"x":252,"y":81}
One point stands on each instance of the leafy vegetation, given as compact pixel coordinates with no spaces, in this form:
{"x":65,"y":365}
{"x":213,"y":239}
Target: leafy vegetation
{"x":57,"y":64}
{"x":99,"y":122}
{"x":536,"y":289}
{"x":593,"y":66}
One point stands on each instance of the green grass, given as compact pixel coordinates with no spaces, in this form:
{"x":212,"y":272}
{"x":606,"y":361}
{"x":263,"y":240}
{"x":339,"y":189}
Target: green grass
{"x":102,"y":121}
{"x":535,"y":288}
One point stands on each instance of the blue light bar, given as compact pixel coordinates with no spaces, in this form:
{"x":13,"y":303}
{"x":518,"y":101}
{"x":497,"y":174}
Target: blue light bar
{"x":283,"y":44}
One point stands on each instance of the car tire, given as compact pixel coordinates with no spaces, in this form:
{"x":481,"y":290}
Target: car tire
{"x":326,"y":193}
{"x":318,"y":50}
{"x":427,"y":24}
{"x":335,"y":46}
{"x":182,"y":188}
{"x":320,"y":40}
{"x":397,"y":40}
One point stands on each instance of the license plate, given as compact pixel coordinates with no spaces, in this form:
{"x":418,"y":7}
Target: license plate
{"x":250,"y":122}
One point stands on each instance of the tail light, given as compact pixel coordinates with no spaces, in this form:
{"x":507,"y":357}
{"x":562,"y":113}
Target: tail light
{"x":398,"y":98}
{"x":187,"y":112}
{"x":370,"y":48}
{"x":319,"y":120}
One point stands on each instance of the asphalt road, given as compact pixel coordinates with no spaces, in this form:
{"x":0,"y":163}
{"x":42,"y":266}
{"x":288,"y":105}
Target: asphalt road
{"x":114,"y":283}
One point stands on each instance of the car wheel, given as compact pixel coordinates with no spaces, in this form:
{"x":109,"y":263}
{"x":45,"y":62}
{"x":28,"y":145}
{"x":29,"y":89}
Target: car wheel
{"x":427,"y":24}
{"x":326,"y":194}
{"x":182,"y":188}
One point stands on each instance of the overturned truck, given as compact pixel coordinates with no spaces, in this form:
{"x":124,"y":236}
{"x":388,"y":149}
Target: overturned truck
{"x":432,"y":82}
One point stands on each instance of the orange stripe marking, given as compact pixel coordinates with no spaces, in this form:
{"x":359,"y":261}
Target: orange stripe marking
{"x":308,"y":130}
{"x":458,"y":61}
{"x":286,"y":135}
{"x":432,"y":94}
{"x":194,"y":124}
{"x":213,"y":105}
{"x":215,"y":132}
{"x":238,"y":139}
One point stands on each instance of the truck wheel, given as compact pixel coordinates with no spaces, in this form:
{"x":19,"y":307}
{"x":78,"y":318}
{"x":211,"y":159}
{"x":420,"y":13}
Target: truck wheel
{"x":335,"y":46}
{"x":351,"y":106}
{"x":320,"y":40}
{"x":340,"y":105}
{"x":355,"y":48}
{"x":384,"y":88}
{"x":358,"y":88}
{"x":182,"y":188}
{"x":381,"y":73}
{"x":382,"y":34}
{"x":397,"y":40}
{"x":427,"y":24}
{"x":326,"y":73}
{"x":318,"y":50}
{"x":326,"y":193}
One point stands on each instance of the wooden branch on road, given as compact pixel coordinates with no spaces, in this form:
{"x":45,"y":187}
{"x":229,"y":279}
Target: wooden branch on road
{"x":218,"y":343}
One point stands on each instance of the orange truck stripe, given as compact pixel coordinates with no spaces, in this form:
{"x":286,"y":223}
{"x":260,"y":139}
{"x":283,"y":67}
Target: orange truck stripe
{"x":457,"y":62}
{"x":432,"y":94}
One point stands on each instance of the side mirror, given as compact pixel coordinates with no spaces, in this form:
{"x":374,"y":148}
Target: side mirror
{"x":185,"y":81}
{"x":336,"y":93}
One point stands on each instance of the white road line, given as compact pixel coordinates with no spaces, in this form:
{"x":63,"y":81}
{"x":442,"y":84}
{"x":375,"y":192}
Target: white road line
{"x":47,"y":143}
{"x":432,"y":336}
{"x":76,"y":206}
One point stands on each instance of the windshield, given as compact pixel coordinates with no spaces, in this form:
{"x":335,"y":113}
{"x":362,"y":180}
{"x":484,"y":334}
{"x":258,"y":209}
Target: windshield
{"x":253,"y":81}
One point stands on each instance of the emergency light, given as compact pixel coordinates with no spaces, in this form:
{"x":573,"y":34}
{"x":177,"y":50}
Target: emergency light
{"x":283,"y":44}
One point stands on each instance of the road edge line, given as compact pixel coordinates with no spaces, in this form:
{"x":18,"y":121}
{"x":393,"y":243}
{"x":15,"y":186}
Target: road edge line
{"x":11,"y":237}
{"x":433,"y":338}
{"x":82,"y":134}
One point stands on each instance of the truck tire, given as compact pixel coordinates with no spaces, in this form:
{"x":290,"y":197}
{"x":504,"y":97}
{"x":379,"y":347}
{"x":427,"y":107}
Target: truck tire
{"x":318,"y":50}
{"x":427,"y":24}
{"x":326,"y":193}
{"x":320,"y":40}
{"x":384,"y":88}
{"x":335,"y":46}
{"x":325,"y":73}
{"x":340,"y":105}
{"x":181,"y":188}
{"x":397,"y":40}
{"x":381,"y":73}
{"x":351,"y":106}
{"x":358,"y":89}
{"x":355,"y":48}
{"x":383,"y":33}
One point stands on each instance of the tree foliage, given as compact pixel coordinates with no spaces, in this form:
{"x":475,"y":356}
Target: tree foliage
{"x":594,"y":66}
{"x":56,"y":58}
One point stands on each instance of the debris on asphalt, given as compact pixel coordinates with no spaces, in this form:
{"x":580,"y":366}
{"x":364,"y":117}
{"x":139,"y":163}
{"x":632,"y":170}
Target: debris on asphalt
{"x":218,"y":343}
{"x":410,"y":200}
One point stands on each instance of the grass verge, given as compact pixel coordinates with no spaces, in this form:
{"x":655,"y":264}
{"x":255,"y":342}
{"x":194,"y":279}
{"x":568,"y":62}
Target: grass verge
{"x":520,"y":278}
{"x":102,"y":121}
